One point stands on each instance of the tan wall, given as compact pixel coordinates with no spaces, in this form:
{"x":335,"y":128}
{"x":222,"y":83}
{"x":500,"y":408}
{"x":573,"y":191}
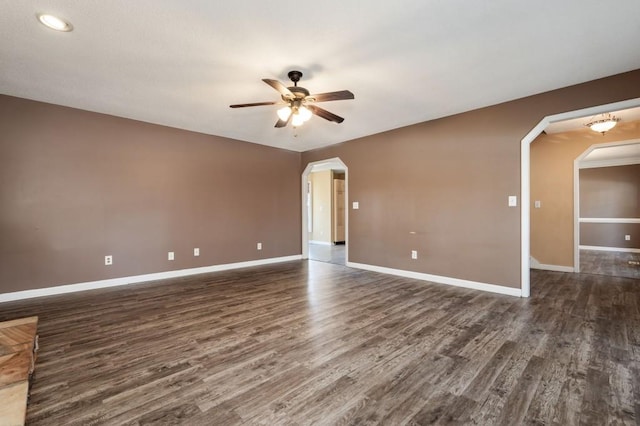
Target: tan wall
{"x":552,"y":158}
{"x":448,"y":180}
{"x":76,"y":186}
{"x":321,"y":206}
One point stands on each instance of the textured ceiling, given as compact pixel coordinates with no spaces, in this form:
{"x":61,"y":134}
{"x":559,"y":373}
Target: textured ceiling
{"x":181,"y":63}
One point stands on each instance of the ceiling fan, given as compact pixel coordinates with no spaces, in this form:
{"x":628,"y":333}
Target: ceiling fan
{"x":298,"y":103}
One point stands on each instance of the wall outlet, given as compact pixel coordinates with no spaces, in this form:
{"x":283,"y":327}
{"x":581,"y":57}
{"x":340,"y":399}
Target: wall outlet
{"x":196,"y":251}
{"x":259,"y":246}
{"x":171,"y":255}
{"x":108,"y":260}
{"x":537,"y":204}
{"x":627,"y":237}
{"x":356,"y":205}
{"x":414,"y":254}
{"x":513,"y":201}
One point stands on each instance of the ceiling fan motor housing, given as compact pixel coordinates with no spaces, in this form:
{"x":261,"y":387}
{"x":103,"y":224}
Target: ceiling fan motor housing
{"x":295,"y":76}
{"x":298,"y":92}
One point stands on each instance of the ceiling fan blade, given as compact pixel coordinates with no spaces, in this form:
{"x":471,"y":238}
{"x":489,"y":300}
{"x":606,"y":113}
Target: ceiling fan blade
{"x":332,"y":96}
{"x":325,"y":114}
{"x":286,"y":93}
{"x":252,"y":105}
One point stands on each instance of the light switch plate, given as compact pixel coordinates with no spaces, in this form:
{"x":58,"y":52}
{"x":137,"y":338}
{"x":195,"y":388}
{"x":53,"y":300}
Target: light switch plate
{"x":356,"y":205}
{"x":513,"y":201}
{"x":537,"y":204}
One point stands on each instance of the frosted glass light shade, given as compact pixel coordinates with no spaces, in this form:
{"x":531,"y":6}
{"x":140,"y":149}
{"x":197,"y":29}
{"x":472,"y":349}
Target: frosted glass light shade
{"x":297,"y":120}
{"x":304,"y":113}
{"x":603,"y":126}
{"x":284,"y":113}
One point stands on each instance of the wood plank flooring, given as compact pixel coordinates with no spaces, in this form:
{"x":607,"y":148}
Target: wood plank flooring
{"x":316,"y":343}
{"x":619,"y":264}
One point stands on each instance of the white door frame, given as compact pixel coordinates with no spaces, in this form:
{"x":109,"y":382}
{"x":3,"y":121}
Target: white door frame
{"x":525,"y":178}
{"x":329,"y":164}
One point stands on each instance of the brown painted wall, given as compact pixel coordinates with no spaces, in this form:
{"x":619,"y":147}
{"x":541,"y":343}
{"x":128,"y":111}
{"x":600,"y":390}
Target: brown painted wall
{"x":610,"y":234}
{"x":612,"y":192}
{"x":552,"y":158}
{"x":76,"y":186}
{"x":448,"y":181}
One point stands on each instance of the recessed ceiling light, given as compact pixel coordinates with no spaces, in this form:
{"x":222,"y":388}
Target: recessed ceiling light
{"x":54,"y":22}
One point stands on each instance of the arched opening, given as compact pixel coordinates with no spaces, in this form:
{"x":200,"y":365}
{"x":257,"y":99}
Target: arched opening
{"x":525,"y":167}
{"x":329,"y":164}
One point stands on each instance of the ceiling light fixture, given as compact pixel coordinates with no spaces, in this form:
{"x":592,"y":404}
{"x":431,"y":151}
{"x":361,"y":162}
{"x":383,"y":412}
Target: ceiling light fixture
{"x":284,"y":113}
{"x":54,"y":22}
{"x":301,"y":114}
{"x":603,"y":124}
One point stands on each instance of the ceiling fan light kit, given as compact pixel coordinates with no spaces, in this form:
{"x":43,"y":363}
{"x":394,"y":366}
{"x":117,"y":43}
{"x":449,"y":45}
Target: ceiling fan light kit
{"x":298,"y":102}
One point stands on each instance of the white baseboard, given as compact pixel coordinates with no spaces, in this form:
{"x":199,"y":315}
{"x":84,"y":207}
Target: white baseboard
{"x":555,"y":268}
{"x":322,"y":243}
{"x":622,"y":249}
{"x":92,"y":285}
{"x":535,"y":264}
{"x":493,"y":288}
{"x":533,"y":261}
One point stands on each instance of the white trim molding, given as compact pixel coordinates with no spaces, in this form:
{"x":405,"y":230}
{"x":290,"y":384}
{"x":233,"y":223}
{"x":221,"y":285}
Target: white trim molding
{"x":492,"y":288}
{"x":609,"y":220}
{"x":555,"y":268}
{"x":535,"y":264}
{"x":600,"y":248}
{"x":594,"y":164}
{"x":113,"y":282}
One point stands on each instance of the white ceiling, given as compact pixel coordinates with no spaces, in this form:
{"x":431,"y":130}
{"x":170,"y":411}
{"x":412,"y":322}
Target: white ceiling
{"x":616,"y":154}
{"x":625,"y":116}
{"x":181,"y":63}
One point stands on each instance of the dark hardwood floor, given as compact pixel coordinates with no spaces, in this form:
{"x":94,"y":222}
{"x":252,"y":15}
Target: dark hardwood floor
{"x":316,"y":343}
{"x":618,"y":264}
